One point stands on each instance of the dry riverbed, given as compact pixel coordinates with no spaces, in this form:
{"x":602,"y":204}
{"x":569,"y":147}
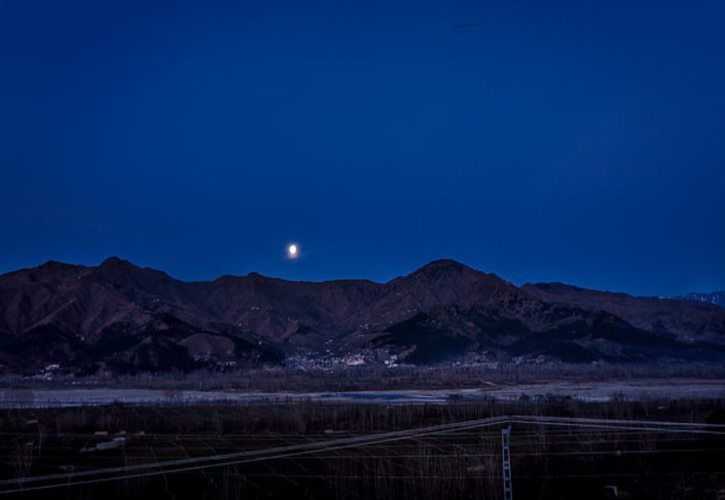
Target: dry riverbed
{"x":583,"y":391}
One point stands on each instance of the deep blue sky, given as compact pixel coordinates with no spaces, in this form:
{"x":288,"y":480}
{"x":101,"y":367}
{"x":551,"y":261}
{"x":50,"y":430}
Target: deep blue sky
{"x":573,"y":141}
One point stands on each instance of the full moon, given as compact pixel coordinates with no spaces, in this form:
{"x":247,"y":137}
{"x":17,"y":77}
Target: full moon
{"x":292,"y":251}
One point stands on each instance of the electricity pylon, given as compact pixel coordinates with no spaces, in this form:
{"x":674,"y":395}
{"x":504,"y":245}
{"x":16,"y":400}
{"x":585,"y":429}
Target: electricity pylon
{"x":506,"y":457}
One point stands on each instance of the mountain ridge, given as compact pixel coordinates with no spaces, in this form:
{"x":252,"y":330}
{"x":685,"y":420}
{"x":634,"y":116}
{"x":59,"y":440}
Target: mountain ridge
{"x":119,"y":317}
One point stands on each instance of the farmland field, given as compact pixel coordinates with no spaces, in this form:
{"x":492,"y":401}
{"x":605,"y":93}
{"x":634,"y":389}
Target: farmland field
{"x":560,"y":448}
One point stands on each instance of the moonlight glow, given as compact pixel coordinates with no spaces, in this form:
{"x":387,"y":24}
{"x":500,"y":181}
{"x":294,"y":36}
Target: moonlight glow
{"x":292,"y":251}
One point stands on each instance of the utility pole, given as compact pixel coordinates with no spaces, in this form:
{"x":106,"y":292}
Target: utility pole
{"x":506,"y":457}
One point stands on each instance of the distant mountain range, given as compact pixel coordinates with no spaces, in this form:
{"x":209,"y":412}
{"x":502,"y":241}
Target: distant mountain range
{"x":117,"y":317}
{"x":715,"y":298}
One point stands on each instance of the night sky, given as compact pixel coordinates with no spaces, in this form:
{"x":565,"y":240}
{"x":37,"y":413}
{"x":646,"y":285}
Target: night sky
{"x":544,"y":141}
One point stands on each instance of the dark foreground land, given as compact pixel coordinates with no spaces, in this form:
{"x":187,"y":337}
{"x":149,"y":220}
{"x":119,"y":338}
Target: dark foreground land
{"x":342,"y":451}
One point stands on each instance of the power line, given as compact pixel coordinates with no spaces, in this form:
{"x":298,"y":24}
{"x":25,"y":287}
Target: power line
{"x":222,"y":460}
{"x":256,"y":455}
{"x":176,"y":470}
